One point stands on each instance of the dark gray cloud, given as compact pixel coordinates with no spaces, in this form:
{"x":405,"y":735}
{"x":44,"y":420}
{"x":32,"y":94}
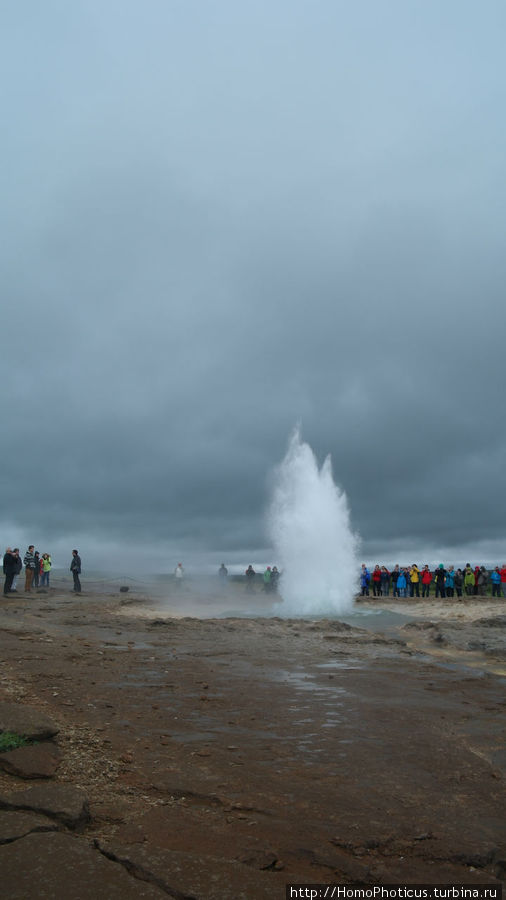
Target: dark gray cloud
{"x":219,"y":221}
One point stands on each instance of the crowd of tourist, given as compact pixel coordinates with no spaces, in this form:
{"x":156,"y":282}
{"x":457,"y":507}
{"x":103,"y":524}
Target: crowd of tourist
{"x":270,"y":578}
{"x":37,"y":568}
{"x":411,"y":581}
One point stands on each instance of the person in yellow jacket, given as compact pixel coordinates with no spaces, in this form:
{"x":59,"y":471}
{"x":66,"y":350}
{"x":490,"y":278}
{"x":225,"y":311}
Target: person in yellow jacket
{"x":414,"y":581}
{"x":45,"y":566}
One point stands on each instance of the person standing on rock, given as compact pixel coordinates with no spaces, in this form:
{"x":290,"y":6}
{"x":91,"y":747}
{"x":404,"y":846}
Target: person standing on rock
{"x":75,"y":568}
{"x":29,"y":561}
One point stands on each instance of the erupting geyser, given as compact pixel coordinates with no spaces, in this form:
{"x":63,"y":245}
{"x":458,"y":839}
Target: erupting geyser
{"x":309,"y":527}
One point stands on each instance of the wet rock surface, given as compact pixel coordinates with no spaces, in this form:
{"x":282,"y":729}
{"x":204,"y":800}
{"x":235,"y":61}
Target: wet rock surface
{"x":486,"y":635}
{"x":228,"y":757}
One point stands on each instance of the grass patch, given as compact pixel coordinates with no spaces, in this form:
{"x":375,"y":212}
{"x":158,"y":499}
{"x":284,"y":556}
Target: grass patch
{"x":11,"y":741}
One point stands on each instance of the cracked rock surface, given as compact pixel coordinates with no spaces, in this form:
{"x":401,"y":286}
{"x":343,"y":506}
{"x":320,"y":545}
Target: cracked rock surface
{"x":216,"y":758}
{"x":58,"y":865}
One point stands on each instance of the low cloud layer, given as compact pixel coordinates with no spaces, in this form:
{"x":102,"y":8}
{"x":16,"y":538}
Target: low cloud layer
{"x":223,"y":221}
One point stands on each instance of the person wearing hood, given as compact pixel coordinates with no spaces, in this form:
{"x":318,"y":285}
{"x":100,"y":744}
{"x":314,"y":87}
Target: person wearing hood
{"x":402,"y":581}
{"x":250,"y":578}
{"x":365,"y":578}
{"x":468,"y":580}
{"x":450,"y":582}
{"x":440,"y":579}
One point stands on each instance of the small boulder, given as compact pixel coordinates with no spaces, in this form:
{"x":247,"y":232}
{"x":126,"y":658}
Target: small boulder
{"x":27,"y":722}
{"x":32,"y":761}
{"x":62,"y":802}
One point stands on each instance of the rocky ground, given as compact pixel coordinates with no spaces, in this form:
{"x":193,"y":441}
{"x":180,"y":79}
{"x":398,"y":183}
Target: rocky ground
{"x":225,"y":758}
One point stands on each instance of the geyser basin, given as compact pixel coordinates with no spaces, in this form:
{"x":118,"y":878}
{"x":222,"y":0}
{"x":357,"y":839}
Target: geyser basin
{"x":310,"y":529}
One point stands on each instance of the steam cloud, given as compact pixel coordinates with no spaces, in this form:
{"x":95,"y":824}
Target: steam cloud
{"x":309,"y":526}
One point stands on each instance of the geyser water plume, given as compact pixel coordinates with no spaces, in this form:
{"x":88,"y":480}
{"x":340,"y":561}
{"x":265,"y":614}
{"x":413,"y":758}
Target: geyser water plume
{"x":310,"y":530}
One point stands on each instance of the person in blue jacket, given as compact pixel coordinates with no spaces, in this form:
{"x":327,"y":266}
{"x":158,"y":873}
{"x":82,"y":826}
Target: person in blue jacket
{"x":365,"y":577}
{"x":450,"y":582}
{"x":402,"y":582}
{"x":495,"y":578}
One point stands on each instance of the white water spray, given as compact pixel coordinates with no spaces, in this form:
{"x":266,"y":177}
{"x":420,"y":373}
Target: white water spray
{"x":309,"y":527}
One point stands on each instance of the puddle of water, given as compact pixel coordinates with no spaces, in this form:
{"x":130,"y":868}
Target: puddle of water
{"x":341,"y":664}
{"x":306,"y":682}
{"x":384,"y":620}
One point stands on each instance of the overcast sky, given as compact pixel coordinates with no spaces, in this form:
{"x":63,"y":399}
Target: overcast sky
{"x":221,"y":219}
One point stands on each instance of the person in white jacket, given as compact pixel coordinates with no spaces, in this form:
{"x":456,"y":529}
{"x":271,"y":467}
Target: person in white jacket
{"x":179,"y":574}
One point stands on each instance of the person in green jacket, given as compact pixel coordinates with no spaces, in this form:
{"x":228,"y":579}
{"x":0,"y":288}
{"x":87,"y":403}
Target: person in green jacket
{"x":45,"y":569}
{"x":468,"y":580}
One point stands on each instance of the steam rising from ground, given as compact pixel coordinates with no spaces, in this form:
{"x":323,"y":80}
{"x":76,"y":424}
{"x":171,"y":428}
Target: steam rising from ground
{"x":310,"y":530}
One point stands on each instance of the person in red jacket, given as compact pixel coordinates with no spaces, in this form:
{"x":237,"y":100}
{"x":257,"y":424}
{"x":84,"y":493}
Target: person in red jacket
{"x":503,"y":579}
{"x":376,"y":582}
{"x":426,"y":580}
